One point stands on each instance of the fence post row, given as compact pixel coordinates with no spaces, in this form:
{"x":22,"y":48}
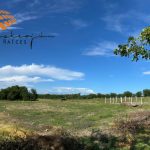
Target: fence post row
{"x":125,"y":99}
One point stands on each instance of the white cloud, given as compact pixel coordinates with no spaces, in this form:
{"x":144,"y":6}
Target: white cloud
{"x":12,"y":28}
{"x":21,"y":17}
{"x":102,"y":49}
{"x":70,"y":90}
{"x":78,"y":23}
{"x":146,"y":73}
{"x":114,"y":22}
{"x":33,"y":10}
{"x":127,"y":23}
{"x":23,"y":79}
{"x":35,"y":73}
{"x":48,"y":6}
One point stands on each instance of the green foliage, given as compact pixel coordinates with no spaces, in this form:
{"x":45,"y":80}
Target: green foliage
{"x":139,"y":94}
{"x":128,"y":94}
{"x":146,"y":92}
{"x":59,"y":96}
{"x":93,"y":96}
{"x":136,"y":47}
{"x":113,"y":94}
{"x":24,"y":93}
{"x":33,"y":95}
{"x":18,"y":93}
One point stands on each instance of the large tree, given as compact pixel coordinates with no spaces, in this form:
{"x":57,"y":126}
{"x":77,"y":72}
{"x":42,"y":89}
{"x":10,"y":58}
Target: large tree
{"x":18,"y":93}
{"x":128,"y":94}
{"x":136,"y":47}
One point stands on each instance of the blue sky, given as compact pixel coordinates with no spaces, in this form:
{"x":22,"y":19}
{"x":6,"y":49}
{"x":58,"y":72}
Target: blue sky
{"x":80,"y":58}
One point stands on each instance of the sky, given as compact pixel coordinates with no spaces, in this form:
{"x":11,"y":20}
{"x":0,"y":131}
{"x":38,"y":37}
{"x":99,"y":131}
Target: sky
{"x":80,"y":58}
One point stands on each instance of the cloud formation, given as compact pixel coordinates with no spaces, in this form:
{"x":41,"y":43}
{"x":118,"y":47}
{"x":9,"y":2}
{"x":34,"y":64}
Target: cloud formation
{"x":21,"y":17}
{"x":39,"y":8}
{"x":78,"y":23}
{"x":128,"y":23}
{"x":101,"y":49}
{"x":146,"y":73}
{"x":70,"y":90}
{"x":22,"y":75}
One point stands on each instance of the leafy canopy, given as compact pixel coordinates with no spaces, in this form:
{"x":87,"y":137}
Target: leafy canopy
{"x":136,"y":48}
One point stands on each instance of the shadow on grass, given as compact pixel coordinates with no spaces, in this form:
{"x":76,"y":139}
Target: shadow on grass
{"x":100,"y":141}
{"x":133,"y":134}
{"x":97,"y":141}
{"x":42,"y":143}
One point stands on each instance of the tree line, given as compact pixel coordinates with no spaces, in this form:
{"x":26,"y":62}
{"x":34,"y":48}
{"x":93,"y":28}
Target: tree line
{"x":22,"y":93}
{"x":18,"y":93}
{"x":145,"y":93}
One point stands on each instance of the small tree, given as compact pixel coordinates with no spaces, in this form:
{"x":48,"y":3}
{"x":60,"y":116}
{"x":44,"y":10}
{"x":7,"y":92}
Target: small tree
{"x":24,"y":94}
{"x":113,"y":94}
{"x":146,"y":92}
{"x":128,"y":94}
{"x":33,"y":95}
{"x":139,"y":94}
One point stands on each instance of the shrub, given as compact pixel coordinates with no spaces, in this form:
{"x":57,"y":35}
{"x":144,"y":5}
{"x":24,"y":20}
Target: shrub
{"x":18,"y":93}
{"x":133,"y":125}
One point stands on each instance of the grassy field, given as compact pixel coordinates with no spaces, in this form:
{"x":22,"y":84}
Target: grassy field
{"x":74,"y":115}
{"x":77,"y":116}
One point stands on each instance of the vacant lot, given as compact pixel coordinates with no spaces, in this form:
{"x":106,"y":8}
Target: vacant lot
{"x":74,"y":115}
{"x":77,"y":116}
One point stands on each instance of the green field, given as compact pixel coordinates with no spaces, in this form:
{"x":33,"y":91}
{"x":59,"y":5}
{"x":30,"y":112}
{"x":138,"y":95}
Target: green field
{"x":77,"y":117}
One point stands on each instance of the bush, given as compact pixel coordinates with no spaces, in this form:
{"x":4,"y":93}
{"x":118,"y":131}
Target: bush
{"x":18,"y":93}
{"x":135,"y":127}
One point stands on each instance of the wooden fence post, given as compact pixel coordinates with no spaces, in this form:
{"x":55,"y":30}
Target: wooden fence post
{"x":113,"y":100}
{"x":116,"y":100}
{"x":121,"y":99}
{"x":110,"y":100}
{"x":131,"y":101}
{"x":141,"y":100}
{"x":136,"y":99}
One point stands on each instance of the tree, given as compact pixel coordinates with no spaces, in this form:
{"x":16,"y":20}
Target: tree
{"x":99,"y":95}
{"x":13,"y":93}
{"x":127,"y":94}
{"x":139,"y":94}
{"x":136,"y":48}
{"x":3,"y":94}
{"x":24,"y":94}
{"x":107,"y":95}
{"x":120,"y":95}
{"x":113,"y":94}
{"x":18,"y":93}
{"x":146,"y":92}
{"x":33,"y":95}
